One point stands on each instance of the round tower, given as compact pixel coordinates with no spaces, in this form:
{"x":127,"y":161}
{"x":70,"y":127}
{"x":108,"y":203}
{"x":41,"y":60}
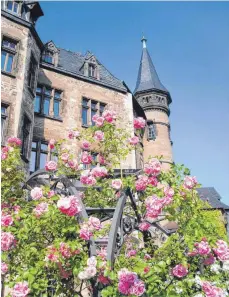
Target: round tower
{"x":155,"y":100}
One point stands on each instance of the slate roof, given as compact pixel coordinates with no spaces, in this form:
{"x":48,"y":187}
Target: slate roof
{"x":147,"y":75}
{"x":72,"y":62}
{"x":210,"y":195}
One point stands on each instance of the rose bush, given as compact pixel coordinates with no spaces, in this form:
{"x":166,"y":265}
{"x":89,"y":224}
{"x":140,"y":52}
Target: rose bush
{"x":45,"y":245}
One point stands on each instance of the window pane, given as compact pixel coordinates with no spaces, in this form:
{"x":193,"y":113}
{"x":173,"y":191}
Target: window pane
{"x":37,"y":104}
{"x":9,"y":43}
{"x":9,"y":63}
{"x":93,"y":105}
{"x":32,"y":163}
{"x":10,"y":5}
{"x":3,"y":120}
{"x":3,"y":110}
{"x":56,"y":108}
{"x":43,"y":160}
{"x":93,"y":112}
{"x":44,"y":147}
{"x":38,"y":90}
{"x":101,"y":109}
{"x":3,"y":59}
{"x":85,"y":102}
{"x":48,"y":91}
{"x":57,"y":94}
{"x":84,"y":116}
{"x":34,"y":144}
{"x":15,"y":7}
{"x":46,"y":106}
{"x":48,"y":59}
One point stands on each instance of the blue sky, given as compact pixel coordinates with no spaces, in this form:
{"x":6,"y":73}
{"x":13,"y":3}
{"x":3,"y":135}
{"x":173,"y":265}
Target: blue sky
{"x":188,"y":43}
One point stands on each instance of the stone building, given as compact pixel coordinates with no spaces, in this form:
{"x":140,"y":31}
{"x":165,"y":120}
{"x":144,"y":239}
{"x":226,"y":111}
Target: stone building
{"x":48,"y":90}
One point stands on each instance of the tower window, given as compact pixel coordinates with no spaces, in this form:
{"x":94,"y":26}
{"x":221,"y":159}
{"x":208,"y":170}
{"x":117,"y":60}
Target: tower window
{"x":151,"y":131}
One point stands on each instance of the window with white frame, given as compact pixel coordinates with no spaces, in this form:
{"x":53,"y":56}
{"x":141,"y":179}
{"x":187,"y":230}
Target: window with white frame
{"x":9,"y":51}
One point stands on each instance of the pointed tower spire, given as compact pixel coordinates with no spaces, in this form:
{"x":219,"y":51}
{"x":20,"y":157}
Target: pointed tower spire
{"x":143,"y":40}
{"x":155,"y":99}
{"x":147,"y":75}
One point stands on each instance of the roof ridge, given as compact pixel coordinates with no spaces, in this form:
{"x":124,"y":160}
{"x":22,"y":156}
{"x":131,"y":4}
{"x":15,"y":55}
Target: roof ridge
{"x":75,"y":53}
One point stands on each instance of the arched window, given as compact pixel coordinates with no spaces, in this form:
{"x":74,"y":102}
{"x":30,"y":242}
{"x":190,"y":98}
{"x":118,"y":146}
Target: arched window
{"x":151,"y":131}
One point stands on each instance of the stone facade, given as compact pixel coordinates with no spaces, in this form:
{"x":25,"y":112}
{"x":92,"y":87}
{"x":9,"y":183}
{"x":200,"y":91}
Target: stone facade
{"x":74,"y":84}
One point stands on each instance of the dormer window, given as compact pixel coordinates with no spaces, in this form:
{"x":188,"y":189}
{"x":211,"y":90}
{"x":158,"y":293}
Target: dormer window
{"x":48,"y":57}
{"x":91,"y":70}
{"x":13,"y":6}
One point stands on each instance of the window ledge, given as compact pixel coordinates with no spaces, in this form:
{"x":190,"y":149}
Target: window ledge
{"x":8,"y":74}
{"x":85,"y":126}
{"x":47,"y":117}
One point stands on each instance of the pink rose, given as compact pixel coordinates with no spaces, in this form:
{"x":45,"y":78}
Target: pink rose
{"x":4,"y":156}
{"x":85,"y":233}
{"x":152,"y":180}
{"x":153,"y":167}
{"x":7,"y":241}
{"x":6,"y":220}
{"x":98,"y":120}
{"x":69,"y":205}
{"x":144,"y":226}
{"x":139,"y":123}
{"x":64,"y":157}
{"x":110,"y":116}
{"x":209,"y":260}
{"x":212,"y":291}
{"x":99,"y":136}
{"x":86,"y":158}
{"x":65,"y":250}
{"x":169,"y":191}
{"x":51,"y":193}
{"x":4,"y":268}
{"x":90,"y":271}
{"x":99,"y":172}
{"x":167,"y":200}
{"x":154,"y":206}
{"x":116,"y":184}
{"x":101,"y":159}
{"x":134,"y":140}
{"x":51,"y":166}
{"x":147,"y":257}
{"x":131,"y":253}
{"x":52,"y":143}
{"x":40,"y":209}
{"x":87,"y":179}
{"x":36,"y":193}
{"x":94,"y":223}
{"x":52,"y":257}
{"x":180,"y":271}
{"x":14,"y":141}
{"x":21,"y":289}
{"x":73,"y":164}
{"x":85,"y":145}
{"x":141,"y":183}
{"x":124,"y":288}
{"x":189,"y":182}
{"x":138,"y":289}
{"x":203,"y":248}
{"x":222,"y":250}
{"x":72,"y":134}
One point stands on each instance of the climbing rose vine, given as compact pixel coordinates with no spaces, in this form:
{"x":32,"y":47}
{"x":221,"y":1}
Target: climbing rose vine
{"x":45,"y":242}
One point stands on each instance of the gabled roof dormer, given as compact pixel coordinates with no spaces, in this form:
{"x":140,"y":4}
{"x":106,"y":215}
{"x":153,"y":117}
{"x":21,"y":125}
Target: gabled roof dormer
{"x":50,"y":53}
{"x":90,"y":66}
